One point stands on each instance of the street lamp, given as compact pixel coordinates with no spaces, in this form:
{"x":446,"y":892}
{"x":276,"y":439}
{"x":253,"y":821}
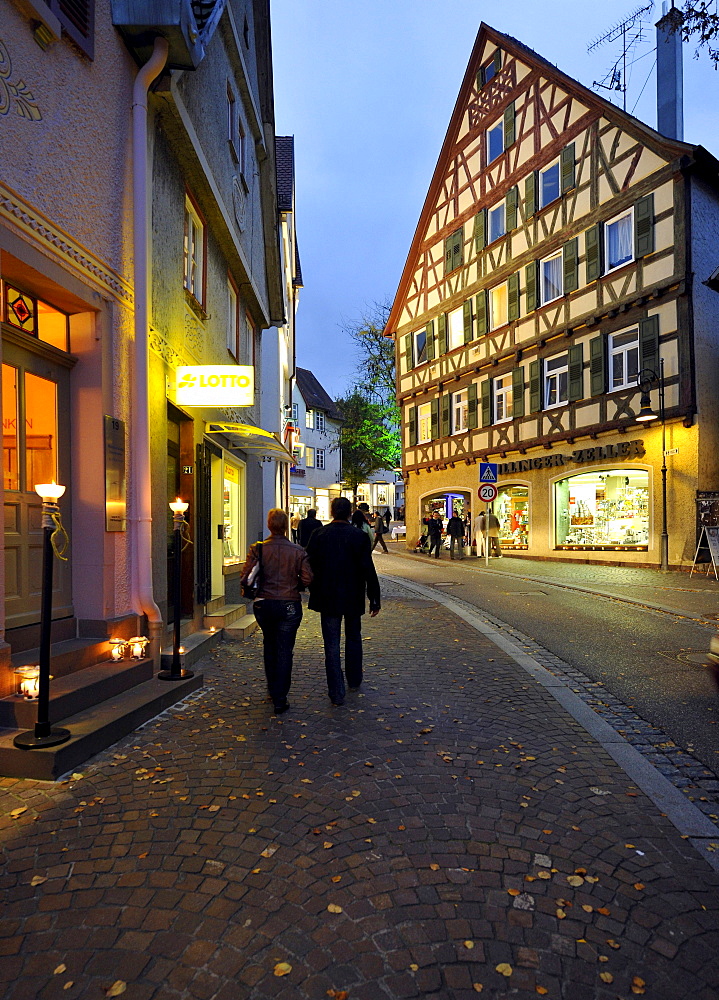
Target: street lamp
{"x":44,"y":735}
{"x":647,"y":378}
{"x":176,"y":672}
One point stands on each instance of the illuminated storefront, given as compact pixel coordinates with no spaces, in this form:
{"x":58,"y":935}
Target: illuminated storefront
{"x":232,"y":513}
{"x":512,"y":510}
{"x":608,"y":508}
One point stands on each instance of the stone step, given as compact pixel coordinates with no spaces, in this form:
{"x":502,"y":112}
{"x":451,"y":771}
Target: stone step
{"x":68,"y":656}
{"x":224,"y":616}
{"x":214,"y":603}
{"x":195,"y":646}
{"x":77,"y":691}
{"x":242,"y":628}
{"x":94,"y":729}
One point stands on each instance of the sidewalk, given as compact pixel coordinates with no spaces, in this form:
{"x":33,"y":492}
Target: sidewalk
{"x":450,"y":831}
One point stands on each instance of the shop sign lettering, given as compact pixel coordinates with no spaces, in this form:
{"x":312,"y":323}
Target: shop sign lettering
{"x":215,"y":385}
{"x":600,"y":453}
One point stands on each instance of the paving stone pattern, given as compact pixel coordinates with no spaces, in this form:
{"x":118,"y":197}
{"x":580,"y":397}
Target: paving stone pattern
{"x":449,"y":821}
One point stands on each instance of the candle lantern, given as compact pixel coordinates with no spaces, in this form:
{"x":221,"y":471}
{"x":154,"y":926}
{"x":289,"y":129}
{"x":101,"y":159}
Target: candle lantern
{"x":27,"y":681}
{"x":119,"y":648}
{"x":137,"y":646}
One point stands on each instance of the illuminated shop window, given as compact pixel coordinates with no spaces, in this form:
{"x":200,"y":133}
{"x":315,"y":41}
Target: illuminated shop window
{"x":512,"y":510}
{"x":11,"y":475}
{"x":608,"y":509}
{"x":232,"y":514}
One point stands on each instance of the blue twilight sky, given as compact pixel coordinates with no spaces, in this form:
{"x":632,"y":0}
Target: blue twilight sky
{"x":367,"y":88}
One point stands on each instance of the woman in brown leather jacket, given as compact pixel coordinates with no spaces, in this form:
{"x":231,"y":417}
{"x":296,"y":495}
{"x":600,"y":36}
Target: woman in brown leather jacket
{"x":278,"y":608}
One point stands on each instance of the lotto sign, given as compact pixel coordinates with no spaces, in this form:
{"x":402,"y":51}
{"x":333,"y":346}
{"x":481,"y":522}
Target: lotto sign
{"x":488,"y":472}
{"x":215,"y":385}
{"x":487,"y":492}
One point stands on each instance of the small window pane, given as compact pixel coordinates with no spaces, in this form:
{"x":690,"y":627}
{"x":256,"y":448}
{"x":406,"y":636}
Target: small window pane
{"x":310,"y":419}
{"x":421,"y":347}
{"x":489,"y":71}
{"x":20,"y":310}
{"x":40,"y":431}
{"x":498,"y":306}
{"x":549,"y":184}
{"x":496,"y":223}
{"x":552,"y":282}
{"x":9,"y":428}
{"x":52,"y":326}
{"x":619,"y":242}
{"x":495,"y":142}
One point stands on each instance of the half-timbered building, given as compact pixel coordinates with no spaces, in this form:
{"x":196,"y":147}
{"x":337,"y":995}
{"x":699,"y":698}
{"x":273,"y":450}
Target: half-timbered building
{"x":556,"y":272}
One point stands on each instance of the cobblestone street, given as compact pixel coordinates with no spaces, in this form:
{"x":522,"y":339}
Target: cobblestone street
{"x":449,"y":831}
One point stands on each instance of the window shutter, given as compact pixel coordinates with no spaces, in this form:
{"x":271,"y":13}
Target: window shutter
{"x":567,"y":168}
{"x":458,"y":248}
{"x":530,"y":195}
{"x":598,"y":366}
{"x":481,"y":322}
{"x":447,"y":254}
{"x":442,"y":333}
{"x":649,"y":343}
{"x":530,"y":285}
{"x":434,"y":415}
{"x":408,"y":351}
{"x":513,"y":297}
{"x":412,"y":426}
{"x":497,"y":60}
{"x":593,"y":251}
{"x":480,"y":230}
{"x":480,"y":78}
{"x":510,"y":209}
{"x":518,"y":392}
{"x":570,"y":257}
{"x":644,"y":226}
{"x":535,"y":386}
{"x":430,"y":340}
{"x":78,"y":19}
{"x":575,"y":388}
{"x":509,"y":130}
{"x":486,"y":402}
{"x":446,"y":405}
{"x":472,"y":406}
{"x":467,"y":316}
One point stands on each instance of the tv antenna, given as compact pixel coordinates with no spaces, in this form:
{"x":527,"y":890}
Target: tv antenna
{"x":631,"y":32}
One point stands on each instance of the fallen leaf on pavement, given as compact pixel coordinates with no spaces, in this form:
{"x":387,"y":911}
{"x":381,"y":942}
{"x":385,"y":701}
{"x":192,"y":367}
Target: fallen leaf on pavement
{"x":513,"y":892}
{"x":76,"y":776}
{"x":587,"y":908}
{"x":575,"y":880}
{"x":477,"y":987}
{"x":544,"y":875}
{"x":541,"y":990}
{"x":639,"y":886}
{"x":59,"y":969}
{"x":334,"y":908}
{"x":18,"y":812}
{"x":38,"y":880}
{"x":561,"y":914}
{"x":69,"y":984}
{"x":414,"y":967}
{"x":327,"y":844}
{"x":117,"y":988}
{"x":336,"y":878}
{"x":605,"y":911}
{"x":434,"y":868}
{"x":606,"y":977}
{"x":504,"y":969}
{"x":282,"y":969}
{"x":469,"y":945}
{"x":638,"y":984}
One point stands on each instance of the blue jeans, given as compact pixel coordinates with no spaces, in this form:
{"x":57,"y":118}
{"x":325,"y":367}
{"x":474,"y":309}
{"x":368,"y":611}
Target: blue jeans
{"x":331,"y":628}
{"x":279,"y":621}
{"x":459,"y":544}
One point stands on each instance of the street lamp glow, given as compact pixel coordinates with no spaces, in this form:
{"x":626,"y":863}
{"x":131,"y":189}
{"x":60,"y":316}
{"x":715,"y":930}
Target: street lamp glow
{"x":179,"y":506}
{"x":646,"y":413}
{"x":49,"y":492}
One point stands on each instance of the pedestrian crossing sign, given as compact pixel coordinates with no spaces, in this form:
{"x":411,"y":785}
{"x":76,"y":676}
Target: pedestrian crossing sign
{"x":488,"y":472}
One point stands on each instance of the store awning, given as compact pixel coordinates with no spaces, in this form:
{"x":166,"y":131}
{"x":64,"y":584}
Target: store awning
{"x":247,"y":437}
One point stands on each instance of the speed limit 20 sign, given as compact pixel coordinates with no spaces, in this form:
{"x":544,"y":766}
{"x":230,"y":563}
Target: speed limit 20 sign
{"x":487,"y":492}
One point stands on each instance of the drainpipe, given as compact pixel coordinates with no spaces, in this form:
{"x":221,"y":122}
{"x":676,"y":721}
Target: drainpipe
{"x":140,"y":464}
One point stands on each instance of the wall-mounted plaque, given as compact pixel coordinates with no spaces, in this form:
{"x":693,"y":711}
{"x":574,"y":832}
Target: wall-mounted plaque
{"x":115,"y":482}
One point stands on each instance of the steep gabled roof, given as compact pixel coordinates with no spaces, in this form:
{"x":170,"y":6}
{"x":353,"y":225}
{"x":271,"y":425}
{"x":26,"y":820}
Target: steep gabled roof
{"x":314,"y":395}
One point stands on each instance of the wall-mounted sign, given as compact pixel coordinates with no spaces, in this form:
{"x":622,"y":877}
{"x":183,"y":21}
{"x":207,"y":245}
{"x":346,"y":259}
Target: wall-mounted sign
{"x":232,"y":473}
{"x":115,"y":491}
{"x":215,"y":385}
{"x":600,"y":453}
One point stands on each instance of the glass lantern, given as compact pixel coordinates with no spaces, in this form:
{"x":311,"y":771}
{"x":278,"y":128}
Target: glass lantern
{"x":27,"y":681}
{"x":138,"y":644}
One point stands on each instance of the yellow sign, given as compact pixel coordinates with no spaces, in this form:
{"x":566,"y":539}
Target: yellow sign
{"x":232,"y":473}
{"x":215,"y":385}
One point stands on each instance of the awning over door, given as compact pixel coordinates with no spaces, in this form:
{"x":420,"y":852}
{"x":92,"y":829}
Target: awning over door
{"x":247,"y":437}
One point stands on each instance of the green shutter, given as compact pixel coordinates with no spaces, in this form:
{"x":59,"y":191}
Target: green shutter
{"x":518,"y":392}
{"x":593,"y":251}
{"x":530,"y":285}
{"x":497,"y":60}
{"x":442,"y":334}
{"x":535,"y":386}
{"x":430,"y":340}
{"x":486,"y":402}
{"x":567,"y":168}
{"x":481,"y":321}
{"x":447,"y":254}
{"x":530,"y":195}
{"x":445,"y":429}
{"x":458,"y":248}
{"x":509,"y":131}
{"x":513,"y":297}
{"x":480,"y":230}
{"x":412,"y":426}
{"x":434,"y":417}
{"x":510,"y":209}
{"x":570,"y":257}
{"x":644,"y":226}
{"x":408,"y":351}
{"x":467,"y":317}
{"x":575,"y":387}
{"x":598,"y":366}
{"x":472,"y":406}
{"x":480,"y":78}
{"x":649,"y":343}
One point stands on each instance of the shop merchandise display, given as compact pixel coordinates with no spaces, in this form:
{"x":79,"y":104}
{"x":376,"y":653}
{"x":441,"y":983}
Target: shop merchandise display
{"x":605,"y":510}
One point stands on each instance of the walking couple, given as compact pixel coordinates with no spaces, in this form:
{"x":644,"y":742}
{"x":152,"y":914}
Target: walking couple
{"x":337,"y":566}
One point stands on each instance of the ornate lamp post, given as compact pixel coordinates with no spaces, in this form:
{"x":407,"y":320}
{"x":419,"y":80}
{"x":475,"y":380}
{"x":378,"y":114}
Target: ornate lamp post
{"x":176,"y":672}
{"x":44,"y":735}
{"x":647,"y":379}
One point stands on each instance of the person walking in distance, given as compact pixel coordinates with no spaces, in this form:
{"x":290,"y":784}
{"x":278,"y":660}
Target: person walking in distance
{"x":434,"y":533}
{"x":480,"y":527}
{"x":284,"y":567}
{"x":379,"y":530}
{"x":495,"y":548}
{"x":294,"y":525}
{"x":455,"y":530}
{"x":387,"y":517}
{"x":341,"y":559}
{"x":307,"y":526}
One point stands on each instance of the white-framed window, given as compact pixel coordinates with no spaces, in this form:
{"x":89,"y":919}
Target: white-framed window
{"x":232,"y":123}
{"x":549,"y":189}
{"x":455,"y":328}
{"x":420,"y":347}
{"x":460,"y":411}
{"x":619,"y":240}
{"x":623,"y":359}
{"x":295,"y":413}
{"x":310,"y":418}
{"x":495,"y":223}
{"x":320,"y":458}
{"x":551,"y":278}
{"x":498,"y":301}
{"x":194,"y":251}
{"x":424,"y":423}
{"x":233,"y":319}
{"x":556,"y":380}
{"x":503,"y":399}
{"x":495,"y":140}
{"x":309,"y":457}
{"x":319,"y":422}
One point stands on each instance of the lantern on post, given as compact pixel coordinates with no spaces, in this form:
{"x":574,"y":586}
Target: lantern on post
{"x":176,"y":672}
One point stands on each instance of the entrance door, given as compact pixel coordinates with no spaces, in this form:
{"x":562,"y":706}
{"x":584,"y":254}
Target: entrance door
{"x":173,"y":490}
{"x":36,"y":449}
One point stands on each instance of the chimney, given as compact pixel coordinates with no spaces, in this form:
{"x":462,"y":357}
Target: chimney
{"x":670,"y":84}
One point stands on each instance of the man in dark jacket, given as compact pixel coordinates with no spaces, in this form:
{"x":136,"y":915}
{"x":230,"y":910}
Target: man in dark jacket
{"x":455,"y":530}
{"x":341,"y":560}
{"x":307,"y":526}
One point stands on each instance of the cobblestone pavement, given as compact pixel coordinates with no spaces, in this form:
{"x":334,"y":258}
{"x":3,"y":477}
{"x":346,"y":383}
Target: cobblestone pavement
{"x":450,"y":831}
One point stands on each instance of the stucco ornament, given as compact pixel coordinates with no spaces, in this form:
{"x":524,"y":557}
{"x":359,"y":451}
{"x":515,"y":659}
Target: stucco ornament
{"x":239,"y":203}
{"x":15,"y":94}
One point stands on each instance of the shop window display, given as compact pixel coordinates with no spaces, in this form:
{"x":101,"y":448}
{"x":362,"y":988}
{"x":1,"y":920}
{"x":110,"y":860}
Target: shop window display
{"x":512,"y":510}
{"x":231,"y":553}
{"x":603,"y":510}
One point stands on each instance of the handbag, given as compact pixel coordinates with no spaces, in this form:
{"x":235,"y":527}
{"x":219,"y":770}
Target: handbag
{"x":253,"y":584}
